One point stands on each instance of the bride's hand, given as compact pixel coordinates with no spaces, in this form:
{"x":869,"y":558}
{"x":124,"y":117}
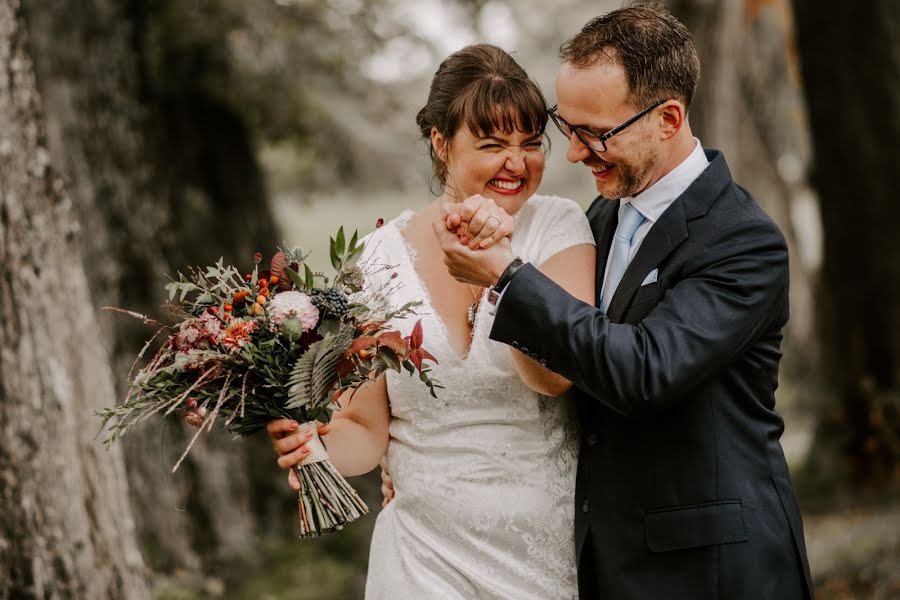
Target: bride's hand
{"x":290,"y":444}
{"x":478,"y":222}
{"x":475,"y":267}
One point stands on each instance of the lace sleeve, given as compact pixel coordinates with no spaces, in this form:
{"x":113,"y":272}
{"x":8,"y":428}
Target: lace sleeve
{"x":563,"y":224}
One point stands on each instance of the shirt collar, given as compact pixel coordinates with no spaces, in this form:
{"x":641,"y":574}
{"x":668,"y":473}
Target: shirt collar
{"x":654,"y":201}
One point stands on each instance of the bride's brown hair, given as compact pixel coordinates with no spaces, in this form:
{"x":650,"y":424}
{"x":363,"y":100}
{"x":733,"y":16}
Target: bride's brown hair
{"x":485,"y":88}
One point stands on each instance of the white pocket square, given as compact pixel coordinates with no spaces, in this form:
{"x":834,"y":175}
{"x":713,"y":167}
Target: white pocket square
{"x":651,"y":277}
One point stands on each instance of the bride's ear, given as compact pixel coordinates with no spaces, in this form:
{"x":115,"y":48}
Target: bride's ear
{"x":440,"y":144}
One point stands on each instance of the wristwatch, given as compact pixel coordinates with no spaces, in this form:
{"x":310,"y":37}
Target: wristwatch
{"x":496,"y":289}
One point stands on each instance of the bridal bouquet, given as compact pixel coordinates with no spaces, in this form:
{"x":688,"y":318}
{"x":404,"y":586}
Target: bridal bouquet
{"x":284,"y":342}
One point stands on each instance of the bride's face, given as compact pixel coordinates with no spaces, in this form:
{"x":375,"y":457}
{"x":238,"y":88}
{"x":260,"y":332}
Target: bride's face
{"x":506,"y":167}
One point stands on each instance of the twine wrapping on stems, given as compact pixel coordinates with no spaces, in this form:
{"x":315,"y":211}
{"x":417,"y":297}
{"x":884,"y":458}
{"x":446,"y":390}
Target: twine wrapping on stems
{"x":326,"y":502}
{"x":317,"y":452}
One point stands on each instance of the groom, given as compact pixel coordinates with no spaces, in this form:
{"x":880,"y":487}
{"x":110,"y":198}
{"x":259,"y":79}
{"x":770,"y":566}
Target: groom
{"x":683,"y":491}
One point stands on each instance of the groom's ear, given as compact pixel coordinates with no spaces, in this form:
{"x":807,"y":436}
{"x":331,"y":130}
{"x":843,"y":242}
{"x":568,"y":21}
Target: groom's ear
{"x":671,"y":118}
{"x":439,"y":143}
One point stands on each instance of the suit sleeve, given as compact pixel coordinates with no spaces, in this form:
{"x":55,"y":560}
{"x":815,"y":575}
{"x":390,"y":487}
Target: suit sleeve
{"x":732,"y":292}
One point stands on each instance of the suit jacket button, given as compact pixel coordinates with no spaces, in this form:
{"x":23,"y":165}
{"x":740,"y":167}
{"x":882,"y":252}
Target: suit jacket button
{"x":585,"y":506}
{"x":592,"y":440}
{"x":514,"y":344}
{"x":523,"y":350}
{"x":543,"y":362}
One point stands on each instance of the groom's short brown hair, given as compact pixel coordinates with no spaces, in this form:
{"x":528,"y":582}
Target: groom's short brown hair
{"x":656,"y":50}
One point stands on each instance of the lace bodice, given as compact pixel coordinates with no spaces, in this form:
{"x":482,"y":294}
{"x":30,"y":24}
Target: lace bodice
{"x":485,"y":474}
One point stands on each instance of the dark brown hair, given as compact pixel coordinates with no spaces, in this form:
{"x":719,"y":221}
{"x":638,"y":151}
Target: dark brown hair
{"x":654,"y":48}
{"x":484,"y":88}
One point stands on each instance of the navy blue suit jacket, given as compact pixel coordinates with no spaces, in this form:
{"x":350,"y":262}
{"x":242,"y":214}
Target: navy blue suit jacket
{"x":682,"y":485}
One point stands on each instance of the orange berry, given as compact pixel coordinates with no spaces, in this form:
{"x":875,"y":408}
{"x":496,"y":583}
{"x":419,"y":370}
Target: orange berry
{"x":262,"y":282}
{"x":260,"y":299}
{"x":274,"y":279}
{"x":264,"y":292}
{"x":228,"y":308}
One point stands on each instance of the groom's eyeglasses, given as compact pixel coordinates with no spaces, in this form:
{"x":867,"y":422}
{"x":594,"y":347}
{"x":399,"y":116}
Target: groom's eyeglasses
{"x":595,"y":141}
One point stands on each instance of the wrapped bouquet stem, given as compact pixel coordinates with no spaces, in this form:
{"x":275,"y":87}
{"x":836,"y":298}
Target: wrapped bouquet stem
{"x":326,"y":502}
{"x":269,"y":344}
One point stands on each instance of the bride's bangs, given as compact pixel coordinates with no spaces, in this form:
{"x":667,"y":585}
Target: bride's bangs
{"x":505,"y":105}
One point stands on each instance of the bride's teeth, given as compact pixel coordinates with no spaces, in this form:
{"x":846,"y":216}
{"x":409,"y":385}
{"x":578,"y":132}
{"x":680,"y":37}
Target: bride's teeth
{"x":506,"y":185}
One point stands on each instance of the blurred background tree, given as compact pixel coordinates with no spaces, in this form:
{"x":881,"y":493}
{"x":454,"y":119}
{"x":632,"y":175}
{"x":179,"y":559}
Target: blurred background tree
{"x":851,"y":67}
{"x":66,"y":528}
{"x":187,"y":130}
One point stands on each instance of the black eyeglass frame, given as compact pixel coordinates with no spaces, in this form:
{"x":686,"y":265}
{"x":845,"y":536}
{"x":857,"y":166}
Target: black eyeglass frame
{"x":601,"y":139}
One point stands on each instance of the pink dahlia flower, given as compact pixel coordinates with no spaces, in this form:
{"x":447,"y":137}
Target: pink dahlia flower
{"x":293,"y":304}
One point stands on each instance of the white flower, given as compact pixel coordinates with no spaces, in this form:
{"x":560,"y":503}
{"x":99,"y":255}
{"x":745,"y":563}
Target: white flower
{"x":293,"y":304}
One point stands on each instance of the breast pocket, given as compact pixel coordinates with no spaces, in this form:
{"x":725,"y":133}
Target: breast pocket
{"x":646,"y":293}
{"x":644,"y":301}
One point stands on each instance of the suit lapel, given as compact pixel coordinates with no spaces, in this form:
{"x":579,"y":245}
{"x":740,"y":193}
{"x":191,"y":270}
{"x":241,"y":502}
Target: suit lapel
{"x":665,"y":235}
{"x":603,"y":216}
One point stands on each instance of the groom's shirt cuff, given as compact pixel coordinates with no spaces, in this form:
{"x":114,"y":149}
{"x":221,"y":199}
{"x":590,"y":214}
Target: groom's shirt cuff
{"x":495,"y":305}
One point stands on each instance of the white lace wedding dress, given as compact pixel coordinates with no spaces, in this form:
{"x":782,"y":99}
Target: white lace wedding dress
{"x":484,"y":475}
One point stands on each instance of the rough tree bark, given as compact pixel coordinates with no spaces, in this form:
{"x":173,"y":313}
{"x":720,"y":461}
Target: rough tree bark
{"x":162,"y":178}
{"x":749,"y":104}
{"x":66,"y":529}
{"x":851,"y":70}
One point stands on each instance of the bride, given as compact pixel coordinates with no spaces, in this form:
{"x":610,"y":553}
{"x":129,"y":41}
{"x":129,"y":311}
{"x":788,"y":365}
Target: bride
{"x":484,"y":475}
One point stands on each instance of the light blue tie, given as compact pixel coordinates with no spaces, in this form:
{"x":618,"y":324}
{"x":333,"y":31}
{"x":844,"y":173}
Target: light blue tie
{"x":621,"y":248}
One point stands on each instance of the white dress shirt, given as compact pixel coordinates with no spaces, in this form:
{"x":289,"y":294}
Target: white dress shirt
{"x":654,"y":201}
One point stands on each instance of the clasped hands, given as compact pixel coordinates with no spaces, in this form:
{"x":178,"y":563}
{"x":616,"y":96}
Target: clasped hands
{"x":475,"y":236}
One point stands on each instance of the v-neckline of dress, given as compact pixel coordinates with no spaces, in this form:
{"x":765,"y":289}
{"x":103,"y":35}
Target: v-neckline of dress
{"x":410,"y":256}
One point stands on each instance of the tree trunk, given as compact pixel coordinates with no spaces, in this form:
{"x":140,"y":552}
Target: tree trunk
{"x":749,"y":105}
{"x":851,"y":70}
{"x":163,"y":177}
{"x":66,"y":529}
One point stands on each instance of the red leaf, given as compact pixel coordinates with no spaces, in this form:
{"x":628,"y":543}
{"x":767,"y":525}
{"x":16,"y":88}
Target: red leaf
{"x":371,"y":326}
{"x":415,"y":340}
{"x":344,"y":368}
{"x":427,"y":355}
{"x":394,"y":341}
{"x":361,"y":344}
{"x":415,"y":358}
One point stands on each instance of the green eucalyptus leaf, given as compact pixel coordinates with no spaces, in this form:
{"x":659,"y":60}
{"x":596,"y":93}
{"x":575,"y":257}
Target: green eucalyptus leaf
{"x":335,"y":258}
{"x":340,"y":242}
{"x":295,"y":277}
{"x":354,"y":255}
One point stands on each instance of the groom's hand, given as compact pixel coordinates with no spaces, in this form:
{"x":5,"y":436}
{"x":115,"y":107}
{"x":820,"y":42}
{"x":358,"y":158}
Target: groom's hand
{"x":478,"y":221}
{"x":476,"y":267}
{"x":387,"y":485}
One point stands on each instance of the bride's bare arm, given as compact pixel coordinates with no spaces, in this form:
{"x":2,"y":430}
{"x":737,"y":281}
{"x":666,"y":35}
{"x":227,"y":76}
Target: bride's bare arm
{"x":356,"y":438}
{"x":572,"y":269}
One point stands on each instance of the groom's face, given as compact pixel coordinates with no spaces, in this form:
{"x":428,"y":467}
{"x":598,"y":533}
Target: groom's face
{"x":596,"y":98}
